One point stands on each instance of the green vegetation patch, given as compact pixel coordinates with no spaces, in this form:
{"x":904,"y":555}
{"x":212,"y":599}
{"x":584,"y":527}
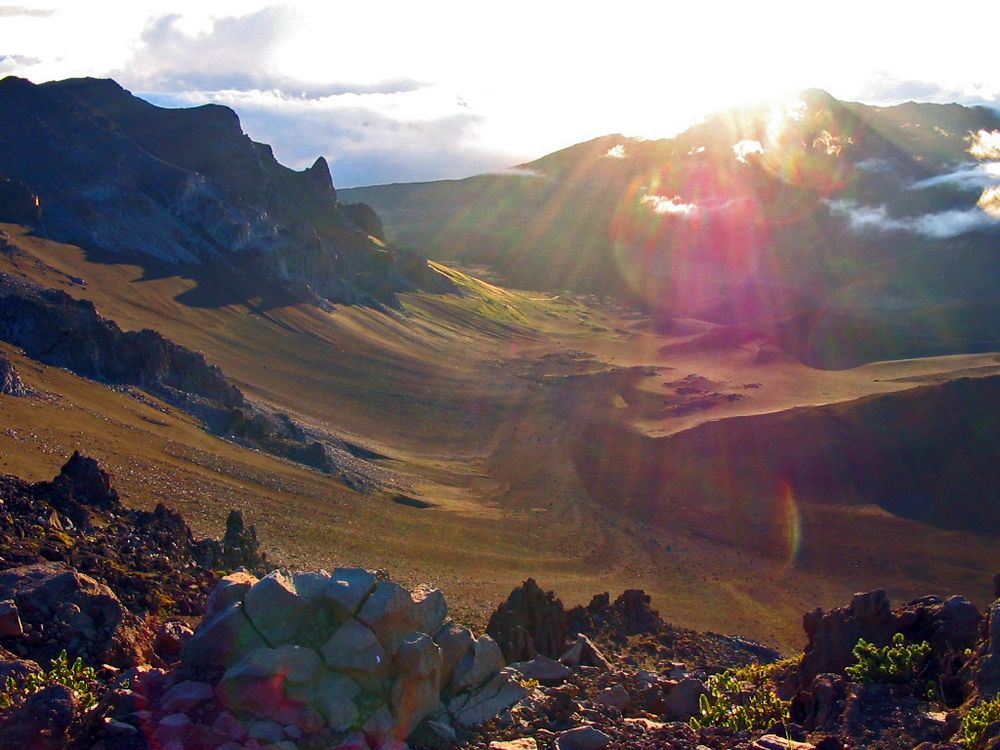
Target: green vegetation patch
{"x":78,"y":678}
{"x":742,"y":699}
{"x":895,"y":663}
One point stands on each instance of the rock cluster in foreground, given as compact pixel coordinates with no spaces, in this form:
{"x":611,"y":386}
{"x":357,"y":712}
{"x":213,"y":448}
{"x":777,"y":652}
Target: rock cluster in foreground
{"x":321,"y":659}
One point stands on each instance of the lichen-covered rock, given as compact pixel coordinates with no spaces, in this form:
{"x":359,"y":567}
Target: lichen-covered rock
{"x":229,"y":590}
{"x":417,"y":690}
{"x":333,"y":697}
{"x":275,"y":608}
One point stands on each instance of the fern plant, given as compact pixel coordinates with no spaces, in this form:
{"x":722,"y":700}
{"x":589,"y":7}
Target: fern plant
{"x":75,"y":676}
{"x":897,"y":662}
{"x":740,"y":699}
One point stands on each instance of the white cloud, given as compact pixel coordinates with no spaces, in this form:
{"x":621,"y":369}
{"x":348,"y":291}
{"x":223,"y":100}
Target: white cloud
{"x":743,"y":149}
{"x":967,"y":176}
{"x":674,"y":206}
{"x":939,"y":225}
{"x":875,"y":165}
{"x":985,"y":144}
{"x":14,"y":11}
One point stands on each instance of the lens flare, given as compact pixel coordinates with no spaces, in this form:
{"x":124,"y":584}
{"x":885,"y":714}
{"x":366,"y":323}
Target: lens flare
{"x":789,"y":522}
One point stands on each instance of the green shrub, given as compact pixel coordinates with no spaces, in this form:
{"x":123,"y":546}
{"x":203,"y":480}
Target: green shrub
{"x":78,"y":678}
{"x":741,"y":699}
{"x":977,"y":718}
{"x":896,"y":662}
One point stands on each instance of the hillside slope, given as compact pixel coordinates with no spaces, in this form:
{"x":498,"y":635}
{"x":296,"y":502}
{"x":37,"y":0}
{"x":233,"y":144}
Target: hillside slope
{"x":849,"y":233}
{"x":187,"y":191}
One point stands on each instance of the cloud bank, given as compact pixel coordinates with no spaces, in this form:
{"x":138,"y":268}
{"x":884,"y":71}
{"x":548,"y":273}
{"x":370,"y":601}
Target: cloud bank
{"x":939,"y":225}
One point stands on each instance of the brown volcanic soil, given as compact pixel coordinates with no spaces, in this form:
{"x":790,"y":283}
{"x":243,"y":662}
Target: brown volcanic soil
{"x":497,"y":408}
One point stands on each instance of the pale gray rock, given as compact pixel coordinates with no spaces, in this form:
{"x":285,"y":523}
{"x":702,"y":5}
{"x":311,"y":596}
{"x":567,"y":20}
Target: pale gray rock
{"x":347,"y":590}
{"x":547,"y":671}
{"x":484,"y":660}
{"x":275,"y":607}
{"x":682,"y":700}
{"x":222,"y":640}
{"x":228,"y":591}
{"x":582,"y":738}
{"x":501,"y":692}
{"x":10,"y":620}
{"x":430,"y":608}
{"x":615,"y":696}
{"x":390,"y":613}
{"x":354,"y":648}
{"x":333,"y":697}
{"x":455,"y":642}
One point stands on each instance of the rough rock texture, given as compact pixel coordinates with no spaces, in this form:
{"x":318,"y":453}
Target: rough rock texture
{"x":119,"y":175}
{"x":988,"y":678}
{"x":314,"y":654}
{"x":61,"y":608}
{"x":950,"y":625}
{"x":42,"y":723}
{"x":529,"y":623}
{"x":151,"y":560}
{"x":56,"y":329}
{"x":10,"y":382}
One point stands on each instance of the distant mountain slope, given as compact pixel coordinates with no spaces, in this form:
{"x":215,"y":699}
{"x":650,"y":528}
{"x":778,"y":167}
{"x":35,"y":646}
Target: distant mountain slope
{"x":920,"y":454}
{"x":186,"y":187}
{"x":779,"y":217}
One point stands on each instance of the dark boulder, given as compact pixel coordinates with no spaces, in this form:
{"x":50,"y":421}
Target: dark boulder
{"x":42,"y":722}
{"x":18,"y":204}
{"x":529,"y":623}
{"x":64,"y":609}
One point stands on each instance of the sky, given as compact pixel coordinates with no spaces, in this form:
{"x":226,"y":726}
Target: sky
{"x":410,"y":91}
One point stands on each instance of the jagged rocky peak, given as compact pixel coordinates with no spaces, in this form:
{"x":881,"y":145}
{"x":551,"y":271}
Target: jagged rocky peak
{"x":319,"y":174}
{"x":119,"y":175}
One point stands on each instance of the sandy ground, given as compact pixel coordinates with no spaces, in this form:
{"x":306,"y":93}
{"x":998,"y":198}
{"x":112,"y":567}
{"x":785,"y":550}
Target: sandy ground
{"x":483,"y":406}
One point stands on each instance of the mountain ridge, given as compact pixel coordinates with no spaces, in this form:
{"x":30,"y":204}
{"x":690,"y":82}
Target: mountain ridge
{"x":187,"y":187}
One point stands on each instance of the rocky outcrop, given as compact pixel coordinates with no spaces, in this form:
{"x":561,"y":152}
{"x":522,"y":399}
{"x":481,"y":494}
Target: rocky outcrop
{"x":10,"y":382}
{"x":56,"y":329}
{"x":630,"y":614}
{"x":150,"y":559}
{"x":63,"y":609}
{"x":43,"y":722}
{"x":320,"y":653}
{"x":118,"y":175}
{"x":18,"y":204}
{"x":529,"y":623}
{"x":988,"y":676}
{"x":950,"y":625}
